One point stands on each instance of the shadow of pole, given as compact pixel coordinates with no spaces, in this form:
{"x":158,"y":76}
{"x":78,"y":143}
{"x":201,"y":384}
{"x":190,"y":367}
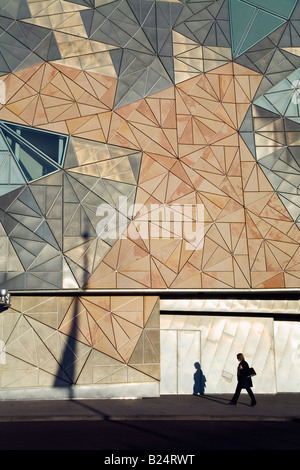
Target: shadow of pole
{"x":66,"y":375}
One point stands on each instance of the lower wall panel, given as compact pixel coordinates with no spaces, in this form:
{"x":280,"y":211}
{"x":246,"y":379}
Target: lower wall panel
{"x":120,"y":346}
{"x":287,"y":348}
{"x":108,"y":343}
{"x":272,"y":348}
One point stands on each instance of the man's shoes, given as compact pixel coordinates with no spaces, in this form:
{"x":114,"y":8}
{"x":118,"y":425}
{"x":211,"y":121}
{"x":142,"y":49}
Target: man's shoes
{"x":231,"y":403}
{"x":253,"y":404}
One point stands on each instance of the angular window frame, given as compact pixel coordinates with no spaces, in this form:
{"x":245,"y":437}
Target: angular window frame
{"x":16,"y":143}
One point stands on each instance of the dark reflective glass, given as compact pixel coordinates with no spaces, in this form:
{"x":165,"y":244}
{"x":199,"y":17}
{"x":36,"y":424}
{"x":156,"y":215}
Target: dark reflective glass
{"x":52,"y":145}
{"x":33,"y":165}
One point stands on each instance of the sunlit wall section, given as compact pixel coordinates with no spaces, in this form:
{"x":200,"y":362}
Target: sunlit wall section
{"x":222,"y":338}
{"x":287,"y":355}
{"x":218,"y":330}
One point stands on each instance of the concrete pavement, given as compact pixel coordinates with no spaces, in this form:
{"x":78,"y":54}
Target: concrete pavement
{"x":277,"y":407}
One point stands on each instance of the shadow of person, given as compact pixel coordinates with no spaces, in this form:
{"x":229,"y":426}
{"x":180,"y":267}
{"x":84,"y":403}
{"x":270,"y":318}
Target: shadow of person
{"x":199,"y":380}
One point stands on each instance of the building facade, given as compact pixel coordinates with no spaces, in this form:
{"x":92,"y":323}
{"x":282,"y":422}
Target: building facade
{"x":149,"y":196}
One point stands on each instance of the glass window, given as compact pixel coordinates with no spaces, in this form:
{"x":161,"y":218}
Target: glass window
{"x":52,"y":145}
{"x":32,"y":164}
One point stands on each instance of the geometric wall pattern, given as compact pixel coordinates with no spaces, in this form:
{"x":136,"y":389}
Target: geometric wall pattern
{"x":59,"y":341}
{"x":253,"y":20}
{"x":49,"y":225}
{"x":155,"y":102}
{"x":129,"y":104}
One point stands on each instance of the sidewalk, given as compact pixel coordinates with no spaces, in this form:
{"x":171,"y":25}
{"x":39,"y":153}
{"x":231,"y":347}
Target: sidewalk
{"x":279,"y":407}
